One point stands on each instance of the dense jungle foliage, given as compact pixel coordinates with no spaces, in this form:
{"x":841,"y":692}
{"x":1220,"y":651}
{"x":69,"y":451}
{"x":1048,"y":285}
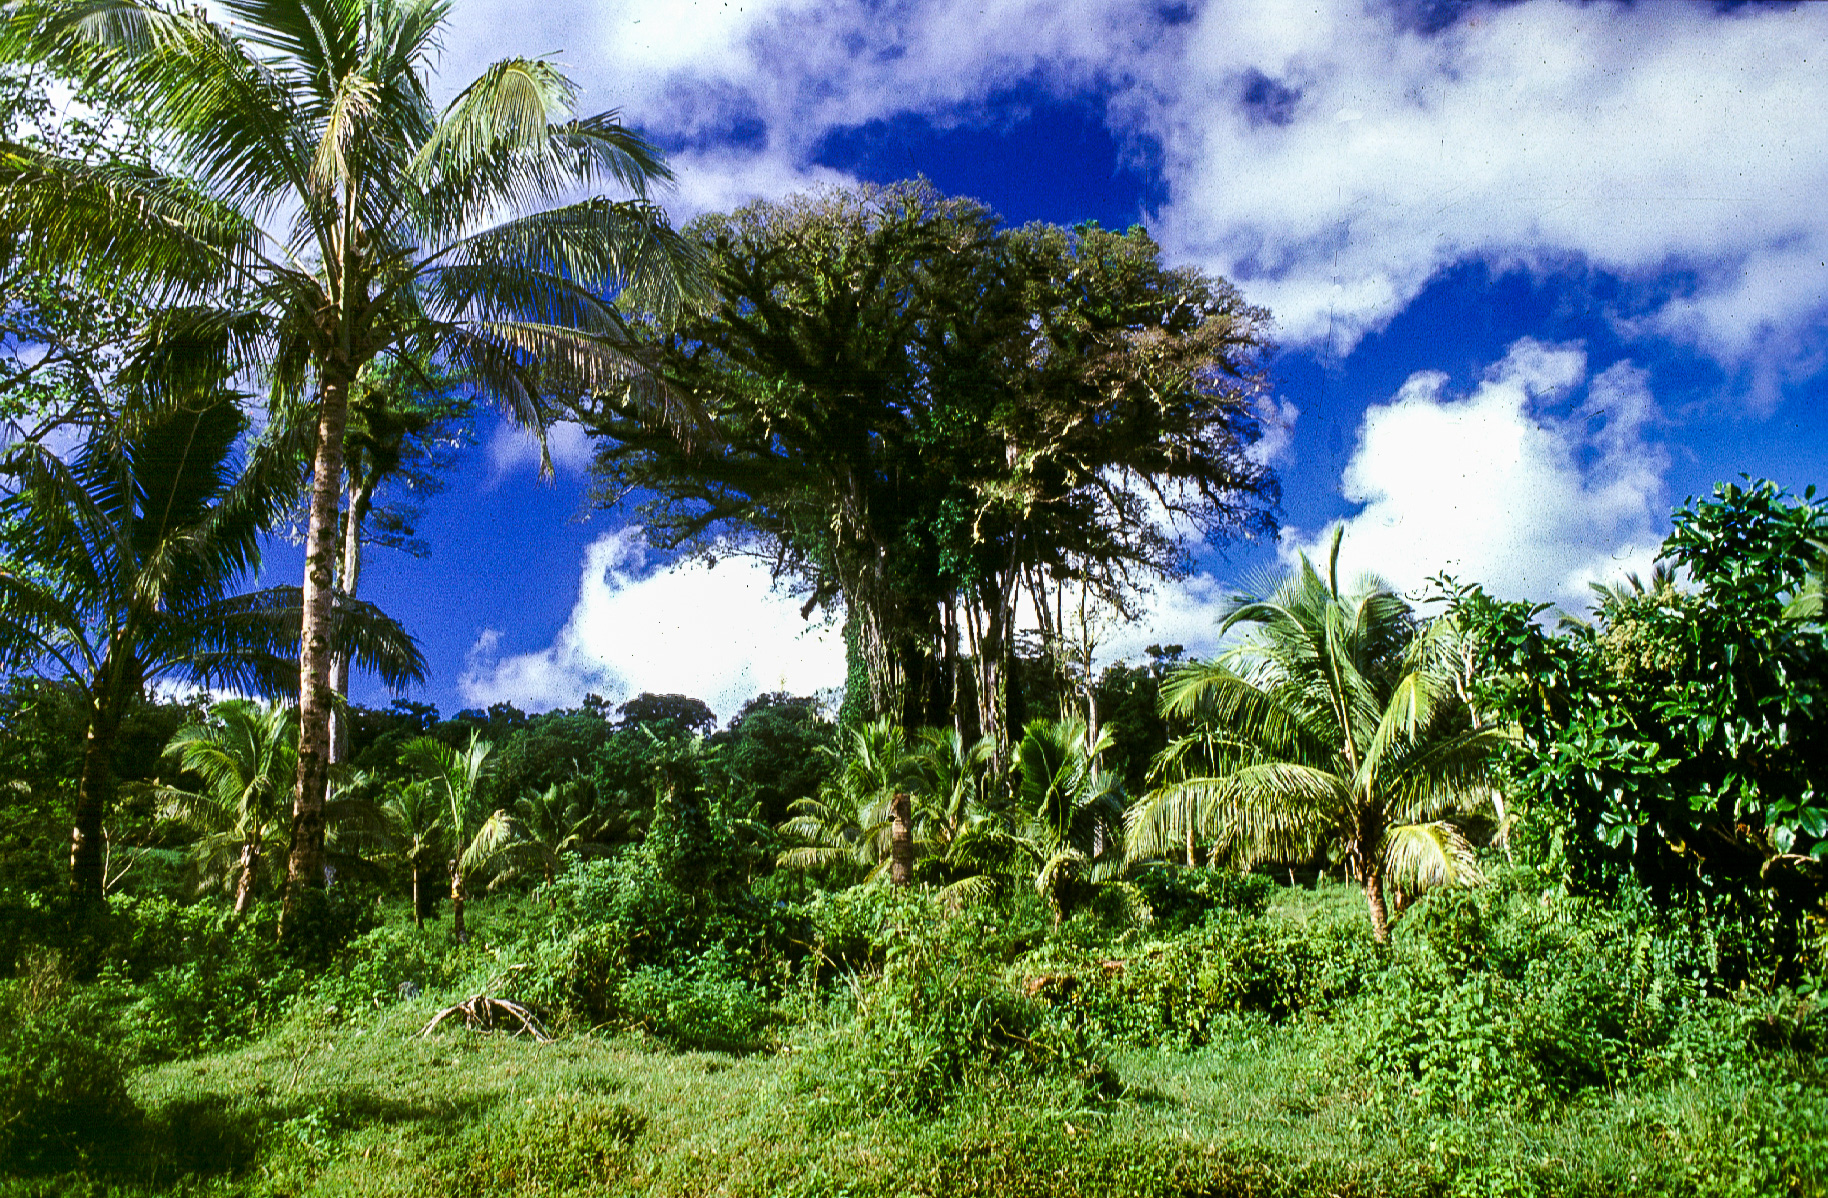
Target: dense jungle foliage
{"x":731,"y":993}
{"x":1398,"y":895}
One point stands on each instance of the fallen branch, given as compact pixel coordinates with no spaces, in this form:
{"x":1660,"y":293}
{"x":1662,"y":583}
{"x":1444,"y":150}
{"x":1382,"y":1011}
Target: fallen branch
{"x":481,"y":1011}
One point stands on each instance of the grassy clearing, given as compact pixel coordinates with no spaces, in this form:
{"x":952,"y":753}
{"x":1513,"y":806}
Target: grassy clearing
{"x":1496,"y":1048}
{"x":372,"y":1110}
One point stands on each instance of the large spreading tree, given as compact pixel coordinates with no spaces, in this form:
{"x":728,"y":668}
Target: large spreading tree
{"x":328,"y":215}
{"x":922,"y":416}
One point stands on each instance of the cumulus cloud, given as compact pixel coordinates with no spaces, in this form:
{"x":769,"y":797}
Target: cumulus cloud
{"x":1540,"y":481}
{"x":1335,"y":159}
{"x":720,"y":633}
{"x":1333,"y":156}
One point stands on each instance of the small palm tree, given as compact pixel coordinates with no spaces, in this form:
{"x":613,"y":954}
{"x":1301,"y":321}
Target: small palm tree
{"x":1336,"y":726}
{"x":415,"y":817}
{"x":1074,"y":808}
{"x":548,"y":826}
{"x":853,"y":819}
{"x":476,"y":837}
{"x":952,"y":779}
{"x":246,"y":754}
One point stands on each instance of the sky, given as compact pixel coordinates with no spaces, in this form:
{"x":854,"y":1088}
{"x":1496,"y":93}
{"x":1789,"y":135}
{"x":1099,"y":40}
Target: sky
{"x":1540,"y":271}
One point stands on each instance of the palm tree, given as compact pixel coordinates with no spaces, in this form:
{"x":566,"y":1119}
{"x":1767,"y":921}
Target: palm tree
{"x":247,"y":755}
{"x":119,"y":570}
{"x":549,"y":825}
{"x":859,"y":812}
{"x":415,"y":816}
{"x":333,"y":217}
{"x":1074,"y":808}
{"x":952,"y":781}
{"x":476,"y":838}
{"x":1337,"y":725}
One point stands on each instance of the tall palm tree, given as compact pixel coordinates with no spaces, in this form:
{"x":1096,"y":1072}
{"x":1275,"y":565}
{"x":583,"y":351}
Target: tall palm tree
{"x":476,"y":837}
{"x":332,"y":216}
{"x":247,"y":755}
{"x":1336,"y":725}
{"x":119,"y":570}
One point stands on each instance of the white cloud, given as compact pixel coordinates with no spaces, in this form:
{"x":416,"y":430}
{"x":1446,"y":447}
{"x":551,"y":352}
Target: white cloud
{"x":1330,"y":156}
{"x":719,"y":632}
{"x":1514,"y":485}
{"x":513,"y":449}
{"x":1636,"y":138}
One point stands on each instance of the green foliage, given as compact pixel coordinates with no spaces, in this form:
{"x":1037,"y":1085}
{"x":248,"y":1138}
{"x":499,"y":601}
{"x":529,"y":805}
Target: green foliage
{"x":943,"y":1020}
{"x":1335,"y":727}
{"x":63,"y":1088}
{"x":1683,"y":744}
{"x":1180,"y":898}
{"x":704,"y":1004}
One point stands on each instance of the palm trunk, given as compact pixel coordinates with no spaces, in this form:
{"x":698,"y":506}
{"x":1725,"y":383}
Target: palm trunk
{"x":418,"y":899}
{"x":244,"y":885}
{"x":1374,"y":899}
{"x":457,"y":928}
{"x":361,"y":497}
{"x":901,"y":840}
{"x":305,"y":865}
{"x":94,"y":793}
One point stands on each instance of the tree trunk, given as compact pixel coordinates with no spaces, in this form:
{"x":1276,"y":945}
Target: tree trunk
{"x":457,"y":928}
{"x":361,"y":497}
{"x":305,"y":866}
{"x":1374,"y":899}
{"x":244,"y":885}
{"x":901,"y":840}
{"x":94,"y":793}
{"x":418,"y":898}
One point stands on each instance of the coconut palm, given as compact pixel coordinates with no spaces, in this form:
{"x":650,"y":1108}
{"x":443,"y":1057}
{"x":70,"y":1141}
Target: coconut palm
{"x":1074,"y":809}
{"x":1336,"y":726}
{"x":853,"y":819}
{"x":119,"y":571}
{"x":415,"y":817}
{"x":475,"y":837}
{"x":247,"y":755}
{"x":548,"y":826}
{"x":331,"y":216}
{"x":952,"y":783}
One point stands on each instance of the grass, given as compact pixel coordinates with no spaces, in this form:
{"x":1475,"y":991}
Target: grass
{"x":355,"y":1102}
{"x":375,"y":1111}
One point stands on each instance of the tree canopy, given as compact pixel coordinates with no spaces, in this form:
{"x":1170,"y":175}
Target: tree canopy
{"x":920,"y":415}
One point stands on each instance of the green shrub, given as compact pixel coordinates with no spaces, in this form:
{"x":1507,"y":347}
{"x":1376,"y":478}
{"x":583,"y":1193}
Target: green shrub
{"x":1180,"y":898}
{"x":194,"y":978}
{"x":943,"y":1019}
{"x":63,"y":1089}
{"x":706,"y":1005}
{"x":390,"y":964}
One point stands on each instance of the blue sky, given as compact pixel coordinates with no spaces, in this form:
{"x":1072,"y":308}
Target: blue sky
{"x":1540,"y":271}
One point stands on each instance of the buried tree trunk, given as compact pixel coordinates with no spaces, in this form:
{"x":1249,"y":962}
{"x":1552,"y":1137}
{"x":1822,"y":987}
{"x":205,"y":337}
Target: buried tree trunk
{"x":901,"y":840}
